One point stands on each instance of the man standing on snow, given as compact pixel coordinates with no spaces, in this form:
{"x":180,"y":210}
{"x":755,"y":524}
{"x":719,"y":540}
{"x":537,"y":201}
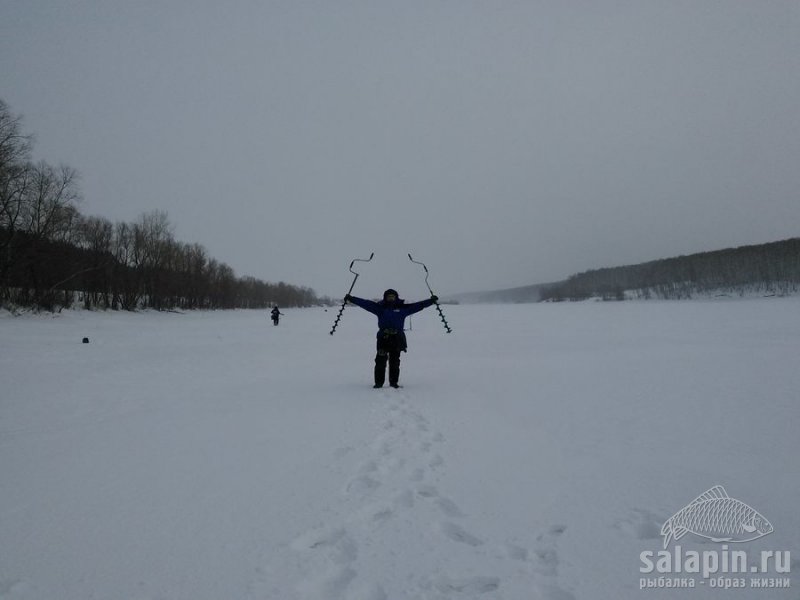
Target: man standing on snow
{"x":391,"y":313}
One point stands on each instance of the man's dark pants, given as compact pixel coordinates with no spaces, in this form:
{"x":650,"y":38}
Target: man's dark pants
{"x":389,"y":347}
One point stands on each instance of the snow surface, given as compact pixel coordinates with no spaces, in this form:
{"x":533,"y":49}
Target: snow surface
{"x":533,"y":453}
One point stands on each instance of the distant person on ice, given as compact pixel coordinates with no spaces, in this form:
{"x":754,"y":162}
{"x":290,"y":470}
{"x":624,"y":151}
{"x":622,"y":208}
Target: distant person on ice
{"x":391,"y":313}
{"x":276,"y":315}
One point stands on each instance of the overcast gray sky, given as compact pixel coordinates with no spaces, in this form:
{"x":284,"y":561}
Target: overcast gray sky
{"x":502,"y":142}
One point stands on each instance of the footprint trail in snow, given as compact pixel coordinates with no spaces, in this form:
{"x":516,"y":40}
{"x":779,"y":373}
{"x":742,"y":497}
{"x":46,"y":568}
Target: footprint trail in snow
{"x":399,"y":536}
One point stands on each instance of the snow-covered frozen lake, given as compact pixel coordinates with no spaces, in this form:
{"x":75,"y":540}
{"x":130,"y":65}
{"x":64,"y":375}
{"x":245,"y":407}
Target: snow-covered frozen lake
{"x":534,"y":453}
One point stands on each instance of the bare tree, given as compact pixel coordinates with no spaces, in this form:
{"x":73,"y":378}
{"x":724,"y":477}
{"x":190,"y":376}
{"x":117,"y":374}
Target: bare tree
{"x":50,"y":210}
{"x":125,"y":289}
{"x":15,"y":176}
{"x":197,"y":292}
{"x":96,"y":237}
{"x":154,"y":239}
{"x":15,"y":148}
{"x":48,"y":214}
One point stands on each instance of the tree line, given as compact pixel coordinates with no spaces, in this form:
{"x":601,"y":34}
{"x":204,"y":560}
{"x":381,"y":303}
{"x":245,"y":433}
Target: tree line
{"x":772,"y":268}
{"x":53,"y":256}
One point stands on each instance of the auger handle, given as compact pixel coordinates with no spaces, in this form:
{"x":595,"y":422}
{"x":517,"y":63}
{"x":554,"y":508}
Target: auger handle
{"x":438,"y":308}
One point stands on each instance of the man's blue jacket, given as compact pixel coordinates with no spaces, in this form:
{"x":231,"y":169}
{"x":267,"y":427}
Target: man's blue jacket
{"x":391,"y":315}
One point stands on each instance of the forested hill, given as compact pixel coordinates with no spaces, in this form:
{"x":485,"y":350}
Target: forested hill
{"x":772,"y":268}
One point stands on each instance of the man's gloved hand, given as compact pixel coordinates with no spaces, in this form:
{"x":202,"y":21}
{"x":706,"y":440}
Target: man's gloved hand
{"x":435,"y":298}
{"x":348,"y":298}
